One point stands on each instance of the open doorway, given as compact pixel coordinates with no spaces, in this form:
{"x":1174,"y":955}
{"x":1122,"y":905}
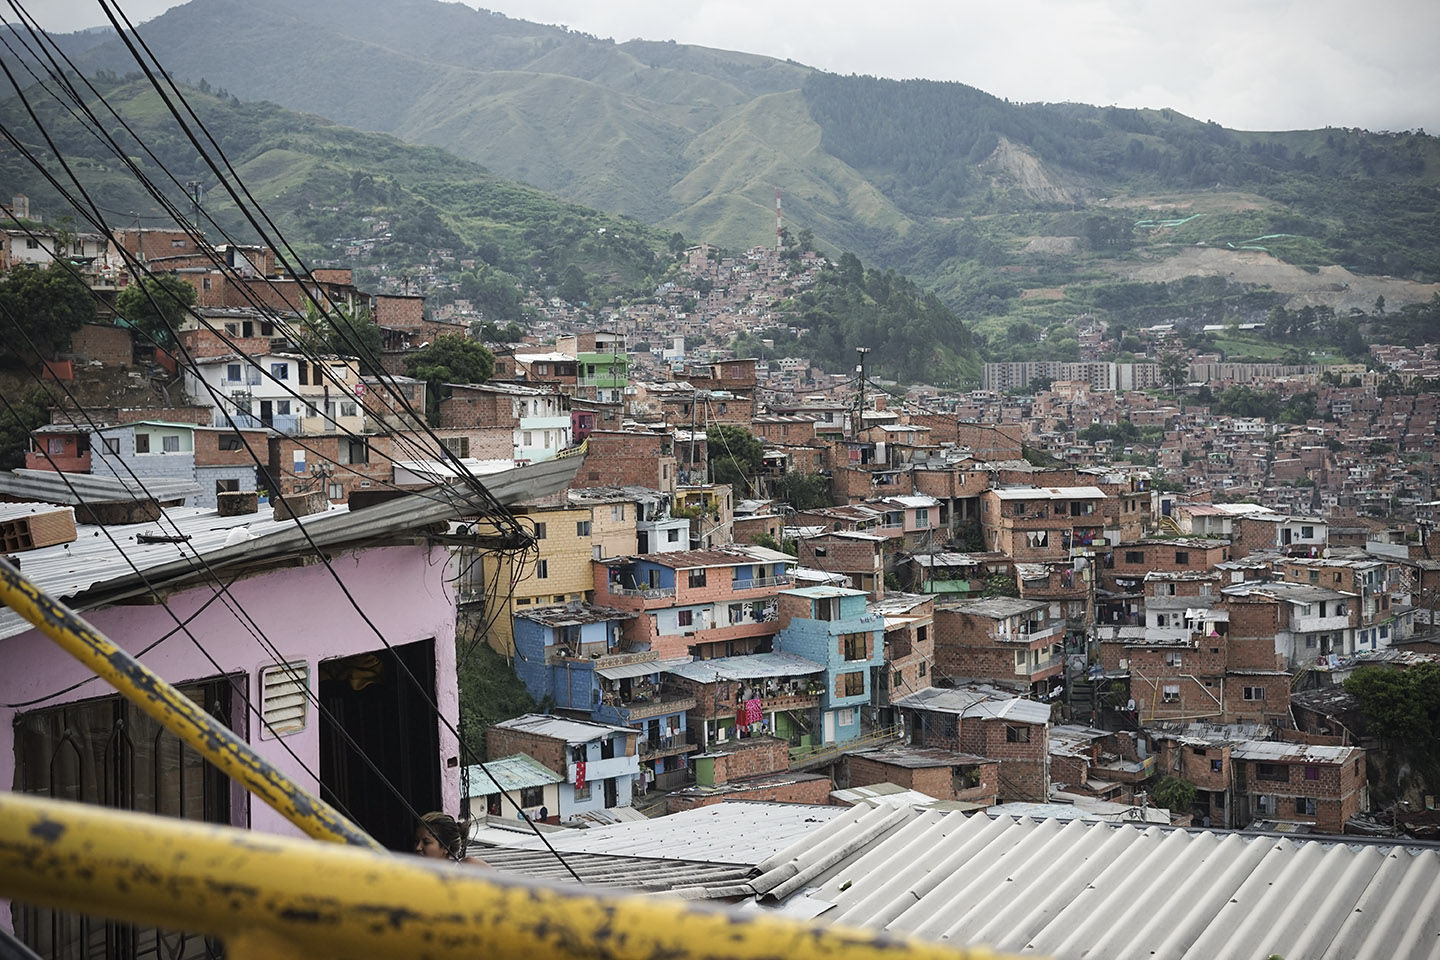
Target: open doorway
{"x":370,"y":698}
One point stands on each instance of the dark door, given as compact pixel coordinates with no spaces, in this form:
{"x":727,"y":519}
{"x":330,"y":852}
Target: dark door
{"x":267,"y":413}
{"x":380,"y":740}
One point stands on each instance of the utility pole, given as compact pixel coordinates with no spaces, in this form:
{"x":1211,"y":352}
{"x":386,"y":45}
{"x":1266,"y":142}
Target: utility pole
{"x":860,"y":413}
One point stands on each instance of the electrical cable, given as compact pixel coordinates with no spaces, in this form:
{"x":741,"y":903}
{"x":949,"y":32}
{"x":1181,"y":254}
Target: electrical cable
{"x":58,"y":74}
{"x":237,"y":609}
{"x":424,"y":694}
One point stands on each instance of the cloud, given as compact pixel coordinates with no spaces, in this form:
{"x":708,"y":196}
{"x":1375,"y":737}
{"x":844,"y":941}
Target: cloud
{"x":1256,"y":64}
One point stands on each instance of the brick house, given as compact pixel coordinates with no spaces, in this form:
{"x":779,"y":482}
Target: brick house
{"x":1000,"y":638}
{"x":1124,"y":568}
{"x":1202,"y":755}
{"x":598,"y":761}
{"x":537,"y":419}
{"x":336,"y":464}
{"x":1291,"y":535}
{"x":755,"y":769}
{"x":620,"y":458}
{"x":785,"y":690}
{"x":1298,"y":783}
{"x":833,"y":626}
{"x":559,"y":573}
{"x":909,"y":650}
{"x":706,"y":603}
{"x":1043,"y":523}
{"x":942,"y":774}
{"x":860,"y":557}
{"x":986,"y":722}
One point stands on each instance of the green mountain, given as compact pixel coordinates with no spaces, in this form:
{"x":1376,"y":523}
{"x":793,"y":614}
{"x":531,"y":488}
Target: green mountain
{"x":322,"y":182}
{"x":698,"y":140}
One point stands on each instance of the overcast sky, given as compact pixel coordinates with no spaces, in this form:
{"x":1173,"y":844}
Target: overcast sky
{"x":1249,"y":64}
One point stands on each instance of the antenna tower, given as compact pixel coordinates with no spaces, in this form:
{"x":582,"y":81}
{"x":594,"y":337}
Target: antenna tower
{"x":778,"y":223}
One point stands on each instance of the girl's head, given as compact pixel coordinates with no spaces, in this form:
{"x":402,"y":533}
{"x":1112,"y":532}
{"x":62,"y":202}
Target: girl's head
{"x":440,"y":836}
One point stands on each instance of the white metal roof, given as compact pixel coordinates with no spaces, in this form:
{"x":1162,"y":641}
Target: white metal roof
{"x":1050,"y":493}
{"x":747,"y":667}
{"x":642,"y":669}
{"x":981,"y":704}
{"x":729,"y":832}
{"x":1075,"y":889}
{"x":515,"y":772}
{"x":560,"y":728}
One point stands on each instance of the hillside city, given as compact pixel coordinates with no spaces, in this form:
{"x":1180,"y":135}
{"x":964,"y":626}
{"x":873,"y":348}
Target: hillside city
{"x":1099,"y":599}
{"x":1046,"y":600}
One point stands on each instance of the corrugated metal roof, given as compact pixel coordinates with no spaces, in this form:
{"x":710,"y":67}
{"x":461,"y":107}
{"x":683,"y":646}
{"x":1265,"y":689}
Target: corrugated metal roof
{"x":52,"y":487}
{"x":1084,"y":890}
{"x":92,"y":566}
{"x":748,"y":667}
{"x":642,"y":669}
{"x":733,"y":832}
{"x":602,"y":870}
{"x":515,"y":772}
{"x":560,"y":728}
{"x":984,"y":704}
{"x":1295,"y":752}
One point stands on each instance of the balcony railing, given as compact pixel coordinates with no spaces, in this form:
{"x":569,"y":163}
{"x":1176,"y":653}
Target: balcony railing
{"x":758,"y":582}
{"x":665,"y":745}
{"x":649,"y":593}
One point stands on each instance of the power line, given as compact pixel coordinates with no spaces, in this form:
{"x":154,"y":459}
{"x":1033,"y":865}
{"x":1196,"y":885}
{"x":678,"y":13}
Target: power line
{"x":499,"y":515}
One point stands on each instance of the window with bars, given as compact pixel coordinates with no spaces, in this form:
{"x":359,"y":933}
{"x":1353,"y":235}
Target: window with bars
{"x":109,"y":753}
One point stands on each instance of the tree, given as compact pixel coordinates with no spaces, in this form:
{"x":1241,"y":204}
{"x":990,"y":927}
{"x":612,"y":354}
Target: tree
{"x":1402,"y":707}
{"x":1174,"y":368}
{"x":155,"y":306}
{"x":1001,"y":585}
{"x":344,"y":333}
{"x":450,"y":359}
{"x":804,"y":491}
{"x":573,"y":287}
{"x":17,"y":419}
{"x":735,"y":454}
{"x":48,"y":306}
{"x":1174,"y":794}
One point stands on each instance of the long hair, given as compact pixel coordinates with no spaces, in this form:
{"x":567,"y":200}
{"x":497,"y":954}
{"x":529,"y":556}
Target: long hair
{"x":447,"y":831}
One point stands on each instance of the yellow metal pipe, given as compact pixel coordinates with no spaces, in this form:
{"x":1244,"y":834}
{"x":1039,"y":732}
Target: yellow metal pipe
{"x":176,"y":712}
{"x":334,"y":901}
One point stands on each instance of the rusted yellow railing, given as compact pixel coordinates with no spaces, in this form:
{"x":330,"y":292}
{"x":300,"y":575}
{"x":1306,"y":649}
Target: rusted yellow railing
{"x":269,"y":896}
{"x":176,"y":712}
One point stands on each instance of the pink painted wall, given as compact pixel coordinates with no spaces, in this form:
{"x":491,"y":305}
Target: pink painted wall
{"x":402,"y":589}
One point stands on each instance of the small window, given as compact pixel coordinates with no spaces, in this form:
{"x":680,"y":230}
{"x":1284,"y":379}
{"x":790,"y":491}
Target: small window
{"x":282,"y":408}
{"x":696,"y":577}
{"x":582,"y":528}
{"x":1134,"y":556}
{"x":532,"y":796}
{"x":142,"y":443}
{"x":1017,"y":734}
{"x":1312,"y":772}
{"x":458,"y":446}
{"x":348,"y":408}
{"x":204,"y":283}
{"x":617,"y":512}
{"x":1174,"y":660}
{"x":280,"y":371}
{"x":542,"y":569}
{"x":922,"y":668}
{"x":1253,"y":693}
{"x":540,"y":531}
{"x":853,"y":645}
{"x":685,"y":618}
{"x":112,"y":445}
{"x":230,"y":442}
{"x":1278,"y":772}
{"x":853,"y":684}
{"x":1305,"y":806}
{"x":583,"y":793}
{"x":1214,"y":766}
{"x":899,"y":679}
{"x":1182,"y":556}
{"x":232,"y":373}
{"x":672,"y":536}
{"x":1171,"y":693}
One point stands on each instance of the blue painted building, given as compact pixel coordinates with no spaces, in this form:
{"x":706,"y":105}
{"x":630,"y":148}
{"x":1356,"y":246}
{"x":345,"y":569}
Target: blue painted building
{"x":573,"y":654}
{"x":831,"y":625}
